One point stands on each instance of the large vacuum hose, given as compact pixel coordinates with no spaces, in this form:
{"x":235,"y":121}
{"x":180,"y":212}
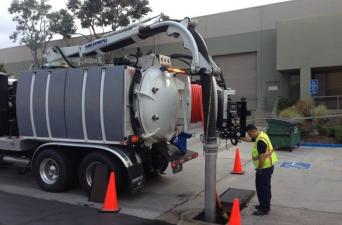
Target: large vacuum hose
{"x":196,"y":103}
{"x":134,"y":121}
{"x":209,"y":107}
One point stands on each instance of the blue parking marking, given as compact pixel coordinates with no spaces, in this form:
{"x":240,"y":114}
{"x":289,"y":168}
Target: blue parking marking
{"x":297,"y":165}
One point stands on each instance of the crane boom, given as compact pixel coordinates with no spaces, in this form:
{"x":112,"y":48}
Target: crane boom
{"x":185,"y":28}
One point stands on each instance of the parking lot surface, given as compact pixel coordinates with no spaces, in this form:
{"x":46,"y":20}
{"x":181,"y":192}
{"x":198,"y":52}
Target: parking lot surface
{"x":300,"y":196}
{"x":22,"y":210}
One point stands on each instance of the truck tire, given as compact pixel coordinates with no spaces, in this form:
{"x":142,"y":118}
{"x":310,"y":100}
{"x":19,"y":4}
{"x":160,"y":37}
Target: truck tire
{"x":53,"y":170}
{"x":87,"y":167}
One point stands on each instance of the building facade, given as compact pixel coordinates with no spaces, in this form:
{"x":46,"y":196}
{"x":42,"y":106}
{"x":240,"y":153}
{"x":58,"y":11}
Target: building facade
{"x":264,"y":52}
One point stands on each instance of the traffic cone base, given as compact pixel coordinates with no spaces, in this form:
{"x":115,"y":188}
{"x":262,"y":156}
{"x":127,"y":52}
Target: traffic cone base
{"x":110,"y":204}
{"x":109,"y":210}
{"x":237,"y":164}
{"x":238,"y":173}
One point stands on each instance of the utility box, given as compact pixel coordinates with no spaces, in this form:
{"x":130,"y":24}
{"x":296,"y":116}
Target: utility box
{"x":283,"y":133}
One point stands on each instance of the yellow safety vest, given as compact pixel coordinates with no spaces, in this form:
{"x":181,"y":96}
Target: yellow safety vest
{"x":270,"y":155}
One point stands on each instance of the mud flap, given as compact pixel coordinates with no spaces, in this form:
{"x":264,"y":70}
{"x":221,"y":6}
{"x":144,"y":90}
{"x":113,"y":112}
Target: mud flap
{"x":174,"y":155}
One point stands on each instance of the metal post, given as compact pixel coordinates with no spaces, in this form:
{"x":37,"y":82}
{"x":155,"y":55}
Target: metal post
{"x":338,"y":102}
{"x":315,"y":131}
{"x":313,"y":106}
{"x":210,"y":186}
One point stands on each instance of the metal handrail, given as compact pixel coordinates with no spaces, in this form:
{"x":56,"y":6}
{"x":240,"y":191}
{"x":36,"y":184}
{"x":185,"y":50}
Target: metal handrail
{"x":337,"y":97}
{"x":328,"y":96}
{"x":275,"y":107}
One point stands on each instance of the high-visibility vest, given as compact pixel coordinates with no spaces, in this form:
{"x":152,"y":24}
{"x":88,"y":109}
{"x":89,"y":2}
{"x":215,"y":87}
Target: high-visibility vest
{"x":270,"y":157}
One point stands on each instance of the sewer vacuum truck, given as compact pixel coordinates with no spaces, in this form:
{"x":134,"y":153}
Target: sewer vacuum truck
{"x":69,"y":116}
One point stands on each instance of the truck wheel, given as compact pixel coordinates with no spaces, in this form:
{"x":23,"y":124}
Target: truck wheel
{"x":87,"y":169}
{"x":53,"y":170}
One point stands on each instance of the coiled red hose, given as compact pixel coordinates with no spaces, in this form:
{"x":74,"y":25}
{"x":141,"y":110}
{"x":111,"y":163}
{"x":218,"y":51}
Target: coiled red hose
{"x":196,"y":104}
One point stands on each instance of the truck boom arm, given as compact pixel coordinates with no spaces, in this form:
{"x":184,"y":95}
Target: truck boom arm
{"x":185,"y":28}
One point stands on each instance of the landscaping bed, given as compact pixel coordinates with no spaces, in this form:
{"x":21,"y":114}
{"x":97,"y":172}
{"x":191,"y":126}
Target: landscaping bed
{"x":315,"y":123}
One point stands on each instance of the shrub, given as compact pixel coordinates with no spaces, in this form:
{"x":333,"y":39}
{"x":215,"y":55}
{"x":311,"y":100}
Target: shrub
{"x":290,"y":113}
{"x":321,"y":110}
{"x":338,"y":133}
{"x":2,"y":68}
{"x":283,"y":103}
{"x":335,"y":131}
{"x":321,"y":123}
{"x":329,"y":131}
{"x":304,"y":107}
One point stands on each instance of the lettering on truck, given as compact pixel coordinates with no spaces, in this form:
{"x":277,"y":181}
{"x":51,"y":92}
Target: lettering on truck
{"x":96,"y":43}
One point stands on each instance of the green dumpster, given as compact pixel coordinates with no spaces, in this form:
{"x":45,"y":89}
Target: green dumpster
{"x":284,"y":133}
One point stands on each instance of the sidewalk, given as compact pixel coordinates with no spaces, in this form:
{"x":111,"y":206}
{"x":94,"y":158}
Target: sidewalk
{"x":300,"y":196}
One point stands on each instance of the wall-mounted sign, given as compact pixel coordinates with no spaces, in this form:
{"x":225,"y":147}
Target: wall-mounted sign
{"x":314,"y":87}
{"x":273,"y":88}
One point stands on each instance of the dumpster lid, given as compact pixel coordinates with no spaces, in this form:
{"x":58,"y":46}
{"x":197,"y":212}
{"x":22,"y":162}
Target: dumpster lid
{"x":284,"y":121}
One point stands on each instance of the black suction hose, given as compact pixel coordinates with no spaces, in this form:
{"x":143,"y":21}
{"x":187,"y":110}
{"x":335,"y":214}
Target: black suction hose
{"x":180,"y":56}
{"x":208,"y":107}
{"x":64,"y":57}
{"x":134,"y":121}
{"x":223,"y":82}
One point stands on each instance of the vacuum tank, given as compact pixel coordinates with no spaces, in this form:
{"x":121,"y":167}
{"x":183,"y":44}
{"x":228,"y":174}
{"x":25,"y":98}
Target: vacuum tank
{"x":93,"y":104}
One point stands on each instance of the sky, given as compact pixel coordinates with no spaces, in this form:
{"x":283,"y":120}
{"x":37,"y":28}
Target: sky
{"x":177,"y":9}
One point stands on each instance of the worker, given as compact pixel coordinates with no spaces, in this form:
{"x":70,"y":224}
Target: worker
{"x":264,"y":158}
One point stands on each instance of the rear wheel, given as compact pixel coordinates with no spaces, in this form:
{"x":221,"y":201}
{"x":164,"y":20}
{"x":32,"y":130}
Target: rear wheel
{"x":53,"y":170}
{"x":87,"y":169}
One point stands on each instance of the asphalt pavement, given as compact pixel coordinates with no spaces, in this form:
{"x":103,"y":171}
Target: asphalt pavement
{"x":310,"y":196}
{"x":22,"y":210}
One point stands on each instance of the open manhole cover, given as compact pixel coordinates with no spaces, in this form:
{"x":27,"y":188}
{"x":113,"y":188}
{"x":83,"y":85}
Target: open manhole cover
{"x":227,"y":199}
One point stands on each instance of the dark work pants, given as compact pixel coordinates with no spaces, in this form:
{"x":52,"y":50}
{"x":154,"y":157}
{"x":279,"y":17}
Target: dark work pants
{"x":263,"y":188}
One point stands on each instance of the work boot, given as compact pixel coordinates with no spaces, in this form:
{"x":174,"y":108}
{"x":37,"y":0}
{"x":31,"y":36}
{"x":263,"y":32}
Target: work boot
{"x":260,"y":212}
{"x":258,"y":207}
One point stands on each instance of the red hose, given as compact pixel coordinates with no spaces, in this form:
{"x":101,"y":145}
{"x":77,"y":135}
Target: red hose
{"x":196,"y":104}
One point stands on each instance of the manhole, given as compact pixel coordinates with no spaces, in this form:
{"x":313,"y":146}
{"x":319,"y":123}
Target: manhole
{"x":227,"y":198}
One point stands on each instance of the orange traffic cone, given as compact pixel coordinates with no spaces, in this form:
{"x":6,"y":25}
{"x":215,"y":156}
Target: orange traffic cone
{"x":237,"y":164}
{"x":111,"y":203}
{"x":235,"y":213}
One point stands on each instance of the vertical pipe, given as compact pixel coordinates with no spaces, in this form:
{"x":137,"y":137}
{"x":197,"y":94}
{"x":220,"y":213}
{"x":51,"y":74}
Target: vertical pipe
{"x":210,"y":147}
{"x":31,"y":106}
{"x":210,"y":187}
{"x":84,"y":124}
{"x":47,"y":115}
{"x":103,"y":76}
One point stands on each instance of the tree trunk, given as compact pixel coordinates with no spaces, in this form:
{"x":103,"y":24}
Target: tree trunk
{"x":35,"y":58}
{"x":66,"y":40}
{"x":94,"y":32}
